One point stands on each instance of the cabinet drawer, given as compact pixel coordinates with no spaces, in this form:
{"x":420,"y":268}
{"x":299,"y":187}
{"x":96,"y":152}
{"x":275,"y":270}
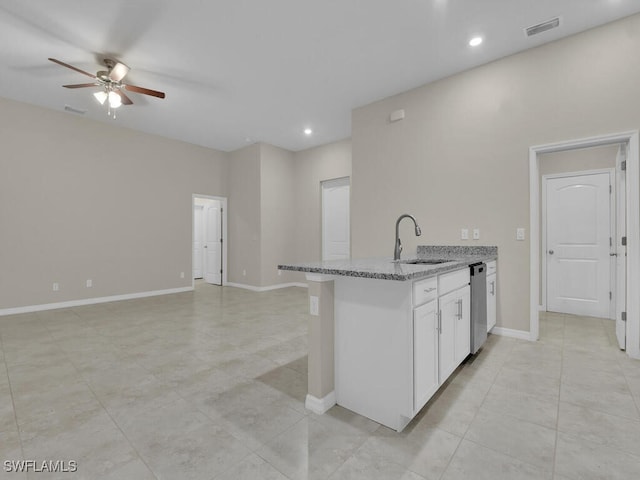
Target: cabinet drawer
{"x":491,"y":267}
{"x":425,"y":291}
{"x":453,"y":280}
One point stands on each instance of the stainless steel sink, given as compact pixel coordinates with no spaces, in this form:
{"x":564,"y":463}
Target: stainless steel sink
{"x":426,"y":261}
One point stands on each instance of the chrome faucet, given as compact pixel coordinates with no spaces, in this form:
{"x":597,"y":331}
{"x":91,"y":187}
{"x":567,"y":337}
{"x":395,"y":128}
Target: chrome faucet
{"x":398,"y":248}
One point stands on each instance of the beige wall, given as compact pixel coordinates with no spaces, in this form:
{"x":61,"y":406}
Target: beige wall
{"x":460,"y":156}
{"x":312,"y":167}
{"x":86,"y":200}
{"x":277,"y":203}
{"x":244,"y":258}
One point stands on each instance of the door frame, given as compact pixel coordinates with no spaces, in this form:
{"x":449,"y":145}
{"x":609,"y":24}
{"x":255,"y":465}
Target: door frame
{"x":543,"y":223}
{"x":223,"y":204}
{"x":632,"y":138}
{"x":340,"y":181}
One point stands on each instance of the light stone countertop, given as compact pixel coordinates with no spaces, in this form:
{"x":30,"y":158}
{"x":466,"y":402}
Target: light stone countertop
{"x":388,"y":269}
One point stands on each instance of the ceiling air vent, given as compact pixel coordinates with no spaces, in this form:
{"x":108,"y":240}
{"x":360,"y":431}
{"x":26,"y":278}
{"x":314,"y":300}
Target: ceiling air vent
{"x":74,"y":110}
{"x":542,"y":27}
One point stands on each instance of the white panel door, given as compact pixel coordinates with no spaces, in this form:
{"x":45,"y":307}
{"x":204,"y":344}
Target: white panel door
{"x":335,"y":219}
{"x":213,"y":243}
{"x":198,"y":242}
{"x":578,"y":233}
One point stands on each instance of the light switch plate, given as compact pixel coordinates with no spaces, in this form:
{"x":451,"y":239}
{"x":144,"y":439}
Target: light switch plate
{"x":476,"y":234}
{"x":314,"y":305}
{"x":520,"y":234}
{"x":464,"y":234}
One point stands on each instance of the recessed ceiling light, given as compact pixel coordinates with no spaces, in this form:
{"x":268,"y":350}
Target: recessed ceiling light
{"x":475,"y":41}
{"x":308,"y":131}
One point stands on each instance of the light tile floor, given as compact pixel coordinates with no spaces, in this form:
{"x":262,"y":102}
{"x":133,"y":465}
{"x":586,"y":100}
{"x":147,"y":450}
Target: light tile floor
{"x":211,"y":385}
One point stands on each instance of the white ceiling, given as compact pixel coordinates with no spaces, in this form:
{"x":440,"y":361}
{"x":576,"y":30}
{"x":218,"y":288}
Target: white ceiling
{"x":241,"y":71}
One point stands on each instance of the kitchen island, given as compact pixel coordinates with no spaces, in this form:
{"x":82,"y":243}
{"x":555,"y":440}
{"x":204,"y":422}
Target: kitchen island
{"x":384,"y":335}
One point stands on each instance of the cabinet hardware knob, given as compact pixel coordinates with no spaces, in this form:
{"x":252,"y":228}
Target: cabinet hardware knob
{"x":550,"y":252}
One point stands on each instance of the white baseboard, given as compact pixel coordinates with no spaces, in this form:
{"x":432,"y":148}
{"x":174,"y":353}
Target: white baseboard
{"x":267,"y":288}
{"x":509,"y":332}
{"x":320,"y":405}
{"x":90,"y":301}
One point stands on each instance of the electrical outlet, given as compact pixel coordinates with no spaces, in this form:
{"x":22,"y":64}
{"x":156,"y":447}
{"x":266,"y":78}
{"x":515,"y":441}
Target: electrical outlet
{"x":476,"y":234}
{"x":56,"y":286}
{"x":314,"y":305}
{"x":244,"y":273}
{"x":89,"y":283}
{"x":520,"y":234}
{"x":279,"y":273}
{"x":181,"y":274}
{"x":464,"y":234}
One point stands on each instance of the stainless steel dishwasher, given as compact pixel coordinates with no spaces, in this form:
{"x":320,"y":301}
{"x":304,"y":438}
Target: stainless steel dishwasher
{"x":478,"y":305}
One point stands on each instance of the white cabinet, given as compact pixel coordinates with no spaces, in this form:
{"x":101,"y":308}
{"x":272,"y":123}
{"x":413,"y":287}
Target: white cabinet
{"x":397,"y":342}
{"x":425,"y":353}
{"x":491,"y":295}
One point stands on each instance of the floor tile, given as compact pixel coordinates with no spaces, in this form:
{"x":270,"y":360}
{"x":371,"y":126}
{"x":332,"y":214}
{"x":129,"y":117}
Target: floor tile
{"x":475,"y":462}
{"x":606,"y":401}
{"x":528,"y":442}
{"x":422,"y":449}
{"x":597,"y":427}
{"x":531,"y":408}
{"x":364,"y":466}
{"x":252,"y":468}
{"x":580,"y":459}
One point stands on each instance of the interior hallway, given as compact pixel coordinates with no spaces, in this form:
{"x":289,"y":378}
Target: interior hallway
{"x":211,"y":384}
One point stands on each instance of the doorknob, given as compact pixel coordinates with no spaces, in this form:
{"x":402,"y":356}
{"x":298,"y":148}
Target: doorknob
{"x":550,"y":252}
{"x":205,"y":246}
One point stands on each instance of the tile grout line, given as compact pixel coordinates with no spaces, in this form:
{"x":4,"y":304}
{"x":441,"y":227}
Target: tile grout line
{"x":462,"y":438}
{"x":13,"y":403}
{"x":555,"y":445}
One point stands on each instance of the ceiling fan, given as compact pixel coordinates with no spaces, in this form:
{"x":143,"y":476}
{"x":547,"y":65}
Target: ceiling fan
{"x":111,"y":83}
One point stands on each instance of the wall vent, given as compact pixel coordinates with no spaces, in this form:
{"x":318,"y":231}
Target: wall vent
{"x":542,"y":27}
{"x":68,"y":108}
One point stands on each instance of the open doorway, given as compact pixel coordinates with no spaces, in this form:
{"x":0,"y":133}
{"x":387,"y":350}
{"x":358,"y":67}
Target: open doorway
{"x":625,"y":240}
{"x":209,"y":229}
{"x":578,"y":213}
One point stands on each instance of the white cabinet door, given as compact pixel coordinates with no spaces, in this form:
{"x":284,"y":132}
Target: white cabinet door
{"x":455,"y":330}
{"x":463,"y":325}
{"x":448,"y":319}
{"x":425,"y":353}
{"x":491,"y":301}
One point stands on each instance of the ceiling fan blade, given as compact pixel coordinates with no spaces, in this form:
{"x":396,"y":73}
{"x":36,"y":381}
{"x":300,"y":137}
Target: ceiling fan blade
{"x":144,"y":91}
{"x":125,"y":100}
{"x":118,"y":72}
{"x":81,"y":85}
{"x":72,"y":68}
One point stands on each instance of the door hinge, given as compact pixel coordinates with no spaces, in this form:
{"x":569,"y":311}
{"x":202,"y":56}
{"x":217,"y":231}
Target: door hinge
{"x":610,"y":190}
{"x":624,"y":316}
{"x":623,"y":240}
{"x":610,"y":295}
{"x":220,"y":271}
{"x":623,"y":165}
{"x":610,"y":242}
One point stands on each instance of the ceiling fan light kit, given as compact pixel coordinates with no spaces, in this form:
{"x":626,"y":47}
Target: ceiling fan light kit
{"x":111,"y":83}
